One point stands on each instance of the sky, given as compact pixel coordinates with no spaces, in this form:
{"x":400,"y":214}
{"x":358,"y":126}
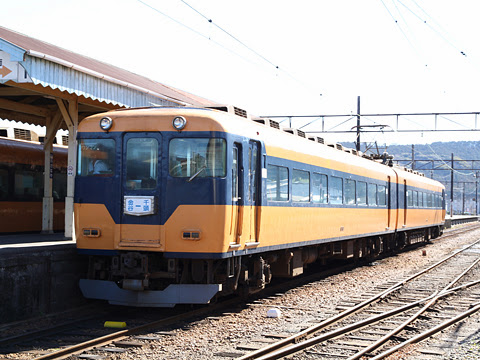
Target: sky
{"x":276,"y":57}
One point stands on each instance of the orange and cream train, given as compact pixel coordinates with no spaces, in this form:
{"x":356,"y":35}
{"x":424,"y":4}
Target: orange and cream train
{"x":179,"y":205}
{"x":22,"y":185}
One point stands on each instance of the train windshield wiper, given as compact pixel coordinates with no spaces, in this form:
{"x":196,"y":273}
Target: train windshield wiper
{"x":196,"y":174}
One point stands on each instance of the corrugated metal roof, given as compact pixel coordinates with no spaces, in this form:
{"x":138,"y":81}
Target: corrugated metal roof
{"x":61,"y":69}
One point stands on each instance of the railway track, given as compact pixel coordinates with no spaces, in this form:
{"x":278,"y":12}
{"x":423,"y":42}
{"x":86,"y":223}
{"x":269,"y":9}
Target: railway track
{"x":405,"y":312}
{"x":79,"y":336}
{"x":93,"y":343}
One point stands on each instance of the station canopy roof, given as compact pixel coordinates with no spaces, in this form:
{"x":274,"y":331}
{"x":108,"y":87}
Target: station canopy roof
{"x":38,"y":70}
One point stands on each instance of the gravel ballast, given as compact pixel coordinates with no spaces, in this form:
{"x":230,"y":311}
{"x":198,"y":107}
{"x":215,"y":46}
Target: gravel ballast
{"x":223,"y":336}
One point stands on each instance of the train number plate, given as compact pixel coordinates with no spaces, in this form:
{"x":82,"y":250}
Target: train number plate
{"x":138,"y":205}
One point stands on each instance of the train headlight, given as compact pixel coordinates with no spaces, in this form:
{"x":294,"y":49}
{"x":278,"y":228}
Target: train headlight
{"x":106,"y":123}
{"x":179,"y":123}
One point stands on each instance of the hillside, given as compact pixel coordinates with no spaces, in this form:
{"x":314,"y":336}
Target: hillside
{"x":437,"y":165}
{"x":438,"y":151}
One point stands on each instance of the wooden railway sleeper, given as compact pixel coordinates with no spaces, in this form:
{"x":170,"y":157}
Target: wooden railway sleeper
{"x":344,"y":330}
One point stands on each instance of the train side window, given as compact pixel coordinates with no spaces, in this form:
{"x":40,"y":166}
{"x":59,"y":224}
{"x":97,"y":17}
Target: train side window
{"x":235,"y":174}
{"x":429,"y":200}
{"x":60,"y":185}
{"x":96,"y":157}
{"x":142,"y":162}
{"x":361,"y":193}
{"x":277,"y":183}
{"x":28,"y":185}
{"x":425,"y":200}
{"x":415,"y":198}
{"x":372,"y":194}
{"x":409,"y":198}
{"x":3,"y":184}
{"x":320,"y":188}
{"x":350,"y":192}
{"x":335,"y":190}
{"x":300,"y":186}
{"x":382,"y":195}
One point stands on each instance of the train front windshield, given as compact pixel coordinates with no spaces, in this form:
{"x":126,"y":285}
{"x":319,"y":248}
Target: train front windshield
{"x":197,"y":157}
{"x":96,"y":157}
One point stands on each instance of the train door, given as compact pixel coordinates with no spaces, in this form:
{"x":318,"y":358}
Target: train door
{"x":405,"y":200}
{"x":389,"y":204}
{"x":253,"y":188}
{"x":237,"y":192}
{"x":141,"y":190}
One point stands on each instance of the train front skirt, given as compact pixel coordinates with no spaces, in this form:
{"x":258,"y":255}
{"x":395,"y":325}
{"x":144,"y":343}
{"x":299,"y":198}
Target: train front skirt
{"x":172,"y":295}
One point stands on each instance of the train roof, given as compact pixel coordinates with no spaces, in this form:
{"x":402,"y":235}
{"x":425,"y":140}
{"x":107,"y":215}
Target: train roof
{"x":14,"y":151}
{"x":284,"y":143}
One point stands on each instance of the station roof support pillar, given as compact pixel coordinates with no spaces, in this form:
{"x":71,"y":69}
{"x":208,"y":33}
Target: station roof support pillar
{"x":53,"y":124}
{"x":70,"y":116}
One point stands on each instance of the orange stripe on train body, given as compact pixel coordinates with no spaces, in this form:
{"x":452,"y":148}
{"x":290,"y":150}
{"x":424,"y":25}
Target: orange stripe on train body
{"x":279,"y":226}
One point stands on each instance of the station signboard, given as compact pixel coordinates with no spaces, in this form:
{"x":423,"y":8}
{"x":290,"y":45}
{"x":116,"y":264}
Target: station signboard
{"x":11,"y":70}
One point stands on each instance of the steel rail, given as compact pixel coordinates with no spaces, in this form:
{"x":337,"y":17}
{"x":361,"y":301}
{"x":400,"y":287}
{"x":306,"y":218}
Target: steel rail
{"x":428,"y":333}
{"x":295,"y":339}
{"x":119,"y":335}
{"x":356,"y":326}
{"x":411,"y":319}
{"x":78,"y":348}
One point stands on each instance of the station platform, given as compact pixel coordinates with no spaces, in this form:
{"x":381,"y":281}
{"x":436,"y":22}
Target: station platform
{"x":460,"y":219}
{"x":33,"y":239}
{"x":39,"y":274}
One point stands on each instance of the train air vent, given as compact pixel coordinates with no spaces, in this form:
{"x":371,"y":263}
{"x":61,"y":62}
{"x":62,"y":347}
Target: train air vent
{"x":331,"y":145}
{"x":22,"y":134}
{"x":275,"y":124}
{"x":339,"y":146}
{"x":261,"y":120}
{"x":41,"y":139}
{"x":295,"y":132}
{"x":4,"y":132}
{"x":267,"y":122}
{"x":320,"y":140}
{"x":240,"y":112}
{"x":230,"y":109}
{"x":347,"y":150}
{"x":354,"y":152}
{"x":65,"y":139}
{"x":312,"y":138}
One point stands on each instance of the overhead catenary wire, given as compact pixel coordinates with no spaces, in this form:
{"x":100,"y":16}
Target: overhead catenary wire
{"x":278,"y":68}
{"x":401,"y":30}
{"x":433,"y":29}
{"x":230,"y":35}
{"x":194,"y":31}
{"x":210,"y":21}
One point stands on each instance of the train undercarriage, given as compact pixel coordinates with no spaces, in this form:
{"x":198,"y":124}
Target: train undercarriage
{"x":150,"y":279}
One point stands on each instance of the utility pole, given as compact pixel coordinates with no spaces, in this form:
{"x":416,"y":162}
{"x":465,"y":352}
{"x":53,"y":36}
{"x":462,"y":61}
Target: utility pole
{"x":476,"y":193}
{"x":451,"y":189}
{"x":358,"y":124}
{"x":413,"y":157}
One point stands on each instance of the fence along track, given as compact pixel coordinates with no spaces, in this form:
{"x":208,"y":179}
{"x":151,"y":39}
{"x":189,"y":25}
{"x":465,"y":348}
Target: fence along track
{"x":297,"y":342}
